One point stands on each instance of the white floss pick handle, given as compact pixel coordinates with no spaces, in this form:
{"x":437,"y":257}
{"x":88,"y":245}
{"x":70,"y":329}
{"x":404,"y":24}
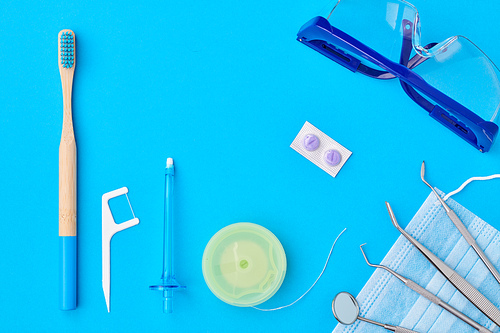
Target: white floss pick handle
{"x":109,"y":228}
{"x":320,"y":149}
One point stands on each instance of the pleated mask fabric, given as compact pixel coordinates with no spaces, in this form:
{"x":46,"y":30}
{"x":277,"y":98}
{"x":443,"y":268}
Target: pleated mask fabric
{"x":386,"y":299}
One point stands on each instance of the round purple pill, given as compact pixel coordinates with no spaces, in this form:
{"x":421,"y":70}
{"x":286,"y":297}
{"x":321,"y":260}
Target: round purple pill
{"x":311,"y":142}
{"x":332,"y":157}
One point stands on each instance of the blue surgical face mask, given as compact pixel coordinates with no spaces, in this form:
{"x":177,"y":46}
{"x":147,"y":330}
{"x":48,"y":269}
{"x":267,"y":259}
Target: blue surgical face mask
{"x":386,"y":299}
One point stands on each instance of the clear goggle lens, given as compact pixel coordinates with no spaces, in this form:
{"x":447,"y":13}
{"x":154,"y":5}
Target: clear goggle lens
{"x":455,"y":66}
{"x":463,"y":72}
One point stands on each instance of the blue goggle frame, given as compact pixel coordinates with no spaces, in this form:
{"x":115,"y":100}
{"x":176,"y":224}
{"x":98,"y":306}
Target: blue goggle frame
{"x":321,"y":36}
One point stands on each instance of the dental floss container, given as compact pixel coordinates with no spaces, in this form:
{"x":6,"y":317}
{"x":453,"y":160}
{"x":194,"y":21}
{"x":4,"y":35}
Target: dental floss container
{"x":244,"y":264}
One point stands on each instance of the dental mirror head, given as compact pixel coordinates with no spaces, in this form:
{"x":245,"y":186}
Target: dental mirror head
{"x":345,"y":308}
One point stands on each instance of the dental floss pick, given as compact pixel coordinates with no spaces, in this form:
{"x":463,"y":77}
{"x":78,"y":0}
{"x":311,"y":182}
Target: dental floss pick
{"x":109,"y":228}
{"x":312,"y":286}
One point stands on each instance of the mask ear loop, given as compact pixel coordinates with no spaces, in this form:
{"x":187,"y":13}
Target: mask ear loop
{"x":467,"y":182}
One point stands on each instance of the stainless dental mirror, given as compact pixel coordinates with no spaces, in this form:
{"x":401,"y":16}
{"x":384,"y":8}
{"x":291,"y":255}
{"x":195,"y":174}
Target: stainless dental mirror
{"x":345,"y":308}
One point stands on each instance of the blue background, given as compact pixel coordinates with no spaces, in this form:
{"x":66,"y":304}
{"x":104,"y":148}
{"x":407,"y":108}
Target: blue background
{"x":222,"y":87}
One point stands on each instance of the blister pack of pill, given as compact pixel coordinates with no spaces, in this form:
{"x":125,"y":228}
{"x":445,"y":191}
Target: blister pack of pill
{"x":320,"y":149}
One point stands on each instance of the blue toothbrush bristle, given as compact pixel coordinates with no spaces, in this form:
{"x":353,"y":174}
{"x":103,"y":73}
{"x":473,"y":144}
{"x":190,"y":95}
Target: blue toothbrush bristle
{"x":67,"y":44}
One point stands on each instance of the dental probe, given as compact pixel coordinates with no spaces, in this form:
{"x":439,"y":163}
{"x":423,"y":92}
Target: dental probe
{"x":462,"y":228}
{"x":464,"y":287}
{"x":430,"y":296}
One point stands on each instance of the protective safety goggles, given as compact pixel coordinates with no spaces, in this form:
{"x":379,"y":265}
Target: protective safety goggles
{"x":454,"y":80}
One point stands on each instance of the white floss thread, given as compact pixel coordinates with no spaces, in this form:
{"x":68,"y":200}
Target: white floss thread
{"x":308,"y":290}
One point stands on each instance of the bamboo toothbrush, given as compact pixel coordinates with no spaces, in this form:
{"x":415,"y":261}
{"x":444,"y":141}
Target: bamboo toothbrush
{"x":67,"y":178}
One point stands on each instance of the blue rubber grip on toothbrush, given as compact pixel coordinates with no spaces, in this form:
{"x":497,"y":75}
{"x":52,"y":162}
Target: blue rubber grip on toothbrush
{"x":67,"y":272}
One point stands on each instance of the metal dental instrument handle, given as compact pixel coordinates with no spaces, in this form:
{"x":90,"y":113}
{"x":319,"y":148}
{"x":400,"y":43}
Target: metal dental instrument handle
{"x":392,"y":328}
{"x":464,"y":287}
{"x":345,"y":308}
{"x":430,"y":296}
{"x":462,"y":228}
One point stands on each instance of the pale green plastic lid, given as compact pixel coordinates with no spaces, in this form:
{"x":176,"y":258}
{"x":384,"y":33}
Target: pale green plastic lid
{"x":244,"y":264}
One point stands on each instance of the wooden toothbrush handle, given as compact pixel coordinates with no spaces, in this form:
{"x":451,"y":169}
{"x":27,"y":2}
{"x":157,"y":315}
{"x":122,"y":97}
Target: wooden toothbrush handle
{"x":67,"y":182}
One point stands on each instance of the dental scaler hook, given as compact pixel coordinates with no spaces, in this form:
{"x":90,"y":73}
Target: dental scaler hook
{"x":400,"y":277}
{"x":464,"y":287}
{"x":430,"y":296}
{"x":462,"y":228}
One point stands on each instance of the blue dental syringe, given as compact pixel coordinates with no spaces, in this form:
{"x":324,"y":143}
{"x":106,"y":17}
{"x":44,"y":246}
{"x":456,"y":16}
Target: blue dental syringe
{"x":169,"y":284}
